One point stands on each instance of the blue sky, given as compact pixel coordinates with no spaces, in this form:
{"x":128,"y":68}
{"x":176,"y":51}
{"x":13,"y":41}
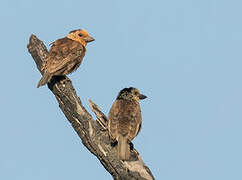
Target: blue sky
{"x":184,"y":55}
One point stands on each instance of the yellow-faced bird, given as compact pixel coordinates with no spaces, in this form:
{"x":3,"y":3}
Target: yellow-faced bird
{"x":124,"y":120}
{"x":65,"y":55}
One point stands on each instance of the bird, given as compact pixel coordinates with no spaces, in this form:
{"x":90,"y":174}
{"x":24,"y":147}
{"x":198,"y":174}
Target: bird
{"x":124,"y":120}
{"x":65,"y":55}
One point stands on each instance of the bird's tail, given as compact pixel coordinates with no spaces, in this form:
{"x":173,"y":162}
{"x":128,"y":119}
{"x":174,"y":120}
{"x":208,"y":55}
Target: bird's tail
{"x":123,"y":148}
{"x":45,"y":79}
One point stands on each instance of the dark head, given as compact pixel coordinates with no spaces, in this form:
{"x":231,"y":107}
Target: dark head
{"x":80,"y":35}
{"x":131,"y":94}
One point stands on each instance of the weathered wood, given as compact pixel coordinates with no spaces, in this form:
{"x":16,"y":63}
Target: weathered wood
{"x":101,"y":117}
{"x":92,"y":133}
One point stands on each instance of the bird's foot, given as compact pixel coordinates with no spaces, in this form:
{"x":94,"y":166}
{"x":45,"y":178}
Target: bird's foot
{"x":131,"y":146}
{"x":113,"y":144}
{"x":54,"y":80}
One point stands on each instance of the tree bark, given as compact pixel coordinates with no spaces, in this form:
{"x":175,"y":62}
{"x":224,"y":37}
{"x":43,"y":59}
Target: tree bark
{"x":93,"y":133}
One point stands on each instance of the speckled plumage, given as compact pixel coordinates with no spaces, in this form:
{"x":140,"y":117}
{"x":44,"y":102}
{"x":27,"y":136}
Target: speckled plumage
{"x":124,"y":120}
{"x":65,"y":55}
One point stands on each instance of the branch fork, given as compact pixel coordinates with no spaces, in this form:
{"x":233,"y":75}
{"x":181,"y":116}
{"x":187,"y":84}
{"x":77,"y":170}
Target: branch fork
{"x":94,"y":134}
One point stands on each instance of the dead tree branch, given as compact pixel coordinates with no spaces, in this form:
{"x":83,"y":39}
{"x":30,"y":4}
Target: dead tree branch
{"x":92,"y":133}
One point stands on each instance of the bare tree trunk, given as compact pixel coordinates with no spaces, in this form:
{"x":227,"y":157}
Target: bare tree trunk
{"x":92,"y":133}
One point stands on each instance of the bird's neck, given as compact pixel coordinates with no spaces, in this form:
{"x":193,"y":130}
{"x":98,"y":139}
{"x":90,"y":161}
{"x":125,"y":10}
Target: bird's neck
{"x":81,"y":41}
{"x":127,"y":98}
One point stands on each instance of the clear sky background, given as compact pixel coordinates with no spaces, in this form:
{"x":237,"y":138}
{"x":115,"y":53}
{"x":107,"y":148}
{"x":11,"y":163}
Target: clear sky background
{"x":184,"y":55}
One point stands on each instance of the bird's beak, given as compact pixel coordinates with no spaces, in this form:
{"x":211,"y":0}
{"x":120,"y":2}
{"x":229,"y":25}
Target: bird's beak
{"x":89,"y":39}
{"x":141,"y":96}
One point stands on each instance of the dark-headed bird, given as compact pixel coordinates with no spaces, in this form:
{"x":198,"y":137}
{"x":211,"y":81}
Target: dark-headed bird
{"x":124,"y":120}
{"x":65,"y":55}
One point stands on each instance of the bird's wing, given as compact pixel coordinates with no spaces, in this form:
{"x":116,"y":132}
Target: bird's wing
{"x":62,"y":52}
{"x":113,"y":119}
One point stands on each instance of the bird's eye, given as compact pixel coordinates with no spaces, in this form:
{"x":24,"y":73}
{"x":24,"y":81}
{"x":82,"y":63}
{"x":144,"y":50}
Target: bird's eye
{"x":80,"y":35}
